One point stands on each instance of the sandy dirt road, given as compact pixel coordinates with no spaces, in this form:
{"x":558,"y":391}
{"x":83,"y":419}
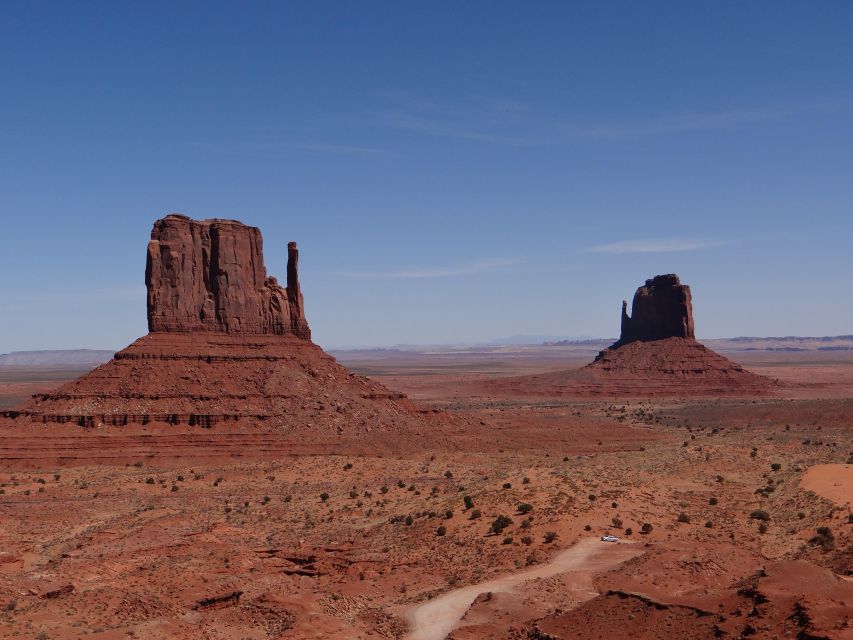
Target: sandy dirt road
{"x":436,"y":618}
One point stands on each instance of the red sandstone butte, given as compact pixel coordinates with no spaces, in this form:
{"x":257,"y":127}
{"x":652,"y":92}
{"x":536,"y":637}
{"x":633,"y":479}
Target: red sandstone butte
{"x":663,"y":308}
{"x":209,"y":275}
{"x":226,"y":344}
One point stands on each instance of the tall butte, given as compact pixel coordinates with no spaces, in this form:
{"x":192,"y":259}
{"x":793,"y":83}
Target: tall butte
{"x":226,"y":344}
{"x":209,"y":276}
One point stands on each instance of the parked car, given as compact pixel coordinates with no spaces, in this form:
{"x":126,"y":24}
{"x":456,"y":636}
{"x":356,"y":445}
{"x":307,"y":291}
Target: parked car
{"x":609,"y":539}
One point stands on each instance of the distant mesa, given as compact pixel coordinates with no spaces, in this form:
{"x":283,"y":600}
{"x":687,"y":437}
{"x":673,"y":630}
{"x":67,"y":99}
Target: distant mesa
{"x":656,"y":355}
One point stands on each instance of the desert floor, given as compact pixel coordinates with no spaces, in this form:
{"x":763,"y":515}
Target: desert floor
{"x":734,"y":515}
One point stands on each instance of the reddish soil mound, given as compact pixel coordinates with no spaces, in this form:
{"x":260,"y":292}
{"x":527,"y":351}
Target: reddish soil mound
{"x":275,"y":395}
{"x":203,"y":379}
{"x":668,"y":367}
{"x":783,"y":599}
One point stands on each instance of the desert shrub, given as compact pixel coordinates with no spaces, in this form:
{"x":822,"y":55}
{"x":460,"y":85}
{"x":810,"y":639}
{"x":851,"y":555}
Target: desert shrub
{"x":525,"y":524}
{"x":527,"y":540}
{"x":469,"y":502}
{"x":591,"y":496}
{"x":441,"y":531}
{"x":712,"y":501}
{"x":683,"y":517}
{"x":448,"y":474}
{"x":613,"y":505}
{"x":500,"y":523}
{"x":646,"y":528}
{"x":760,"y":514}
{"x":324,"y":496}
{"x":565,"y":458}
{"x":448,"y":514}
{"x":507,"y":485}
{"x":617,"y":522}
{"x":401,"y":484}
{"x":180,"y":478}
{"x":348,"y":466}
{"x":288,"y":498}
{"x":409,"y":520}
{"x":353,"y":493}
{"x":824,"y":539}
{"x":149,"y":481}
{"x":383,"y":489}
{"x":475,"y":514}
{"x":850,"y":518}
{"x":174,"y":487}
{"x":549,"y":537}
{"x":629,"y":531}
{"x":709,"y":524}
{"x":762,"y":528}
{"x":588,"y":528}
{"x":411,"y":487}
{"x":507,"y":540}
{"x":525,"y":480}
{"x":525,"y":508}
{"x":775,"y":466}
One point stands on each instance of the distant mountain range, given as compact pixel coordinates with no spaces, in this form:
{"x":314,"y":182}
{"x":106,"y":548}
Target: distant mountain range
{"x":94,"y":357}
{"x":58,"y":357}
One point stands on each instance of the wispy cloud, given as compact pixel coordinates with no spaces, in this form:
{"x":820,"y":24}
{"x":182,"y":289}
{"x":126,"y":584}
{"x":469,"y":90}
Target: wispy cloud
{"x":273,"y":147}
{"x":467,"y":269}
{"x":680,"y":123}
{"x":341,"y":149}
{"x":509,"y":122}
{"x":658,"y":245}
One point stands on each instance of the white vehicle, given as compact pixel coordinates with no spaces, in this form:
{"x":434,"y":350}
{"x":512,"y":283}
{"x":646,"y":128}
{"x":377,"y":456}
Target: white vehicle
{"x":609,"y":539}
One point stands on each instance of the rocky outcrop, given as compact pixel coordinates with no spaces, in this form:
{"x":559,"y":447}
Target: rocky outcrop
{"x":662,"y":308}
{"x":209,"y":275}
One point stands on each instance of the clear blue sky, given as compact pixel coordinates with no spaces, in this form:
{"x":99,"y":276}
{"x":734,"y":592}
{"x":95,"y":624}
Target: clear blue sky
{"x":452,"y":171}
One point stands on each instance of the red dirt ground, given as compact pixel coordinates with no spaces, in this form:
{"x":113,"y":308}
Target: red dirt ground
{"x":149,"y":531}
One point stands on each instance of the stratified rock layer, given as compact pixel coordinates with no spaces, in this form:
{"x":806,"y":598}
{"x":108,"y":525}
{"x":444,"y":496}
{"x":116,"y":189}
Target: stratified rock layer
{"x":662,"y":308}
{"x":209,"y":275}
{"x":204,"y":379}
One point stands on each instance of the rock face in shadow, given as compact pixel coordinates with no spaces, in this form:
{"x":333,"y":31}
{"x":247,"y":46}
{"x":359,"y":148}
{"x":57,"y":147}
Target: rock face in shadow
{"x":662,"y":308}
{"x":209,"y":276}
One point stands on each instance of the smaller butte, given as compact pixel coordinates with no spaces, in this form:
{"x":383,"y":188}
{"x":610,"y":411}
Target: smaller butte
{"x":657,"y":354}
